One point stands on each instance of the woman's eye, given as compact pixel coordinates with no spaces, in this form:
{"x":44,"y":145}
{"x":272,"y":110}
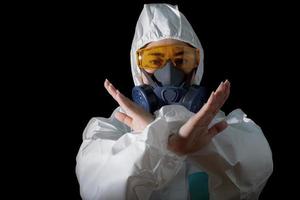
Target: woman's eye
{"x":156,"y":62}
{"x":180,"y":62}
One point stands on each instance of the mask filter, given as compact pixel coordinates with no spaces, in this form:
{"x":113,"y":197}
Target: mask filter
{"x":168,"y":87}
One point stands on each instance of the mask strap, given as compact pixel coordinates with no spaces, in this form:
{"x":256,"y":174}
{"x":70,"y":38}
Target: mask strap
{"x":189,"y":77}
{"x":149,"y":79}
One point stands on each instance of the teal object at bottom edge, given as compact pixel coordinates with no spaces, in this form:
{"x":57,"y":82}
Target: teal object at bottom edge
{"x":198,"y":185}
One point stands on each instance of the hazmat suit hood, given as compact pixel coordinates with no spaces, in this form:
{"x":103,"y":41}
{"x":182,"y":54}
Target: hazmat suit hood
{"x":158,"y":22}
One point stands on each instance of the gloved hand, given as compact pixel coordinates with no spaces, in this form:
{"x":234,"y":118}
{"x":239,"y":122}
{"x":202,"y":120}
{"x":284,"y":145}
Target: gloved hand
{"x":136,"y":118}
{"x":193,"y":135}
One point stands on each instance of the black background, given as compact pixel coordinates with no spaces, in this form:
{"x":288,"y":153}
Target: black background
{"x":66,"y":50}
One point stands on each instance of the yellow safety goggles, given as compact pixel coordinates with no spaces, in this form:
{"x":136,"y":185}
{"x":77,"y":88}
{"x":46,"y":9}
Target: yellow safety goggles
{"x":183,"y":57}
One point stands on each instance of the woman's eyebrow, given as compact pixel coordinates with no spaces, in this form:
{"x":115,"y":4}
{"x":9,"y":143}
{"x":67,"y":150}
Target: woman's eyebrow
{"x":178,"y":53}
{"x":156,"y":54}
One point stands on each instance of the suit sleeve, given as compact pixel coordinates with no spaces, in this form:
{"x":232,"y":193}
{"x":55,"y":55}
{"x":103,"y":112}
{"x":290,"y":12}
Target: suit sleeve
{"x":114,"y":162}
{"x":238,"y":160}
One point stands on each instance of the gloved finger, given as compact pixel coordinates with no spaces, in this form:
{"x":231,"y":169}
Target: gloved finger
{"x":201,"y":118}
{"x":125,"y":103}
{"x":228,"y":86}
{"x":204,"y":115}
{"x":222,"y":95}
{"x":129,"y":106}
{"x":210,"y":109}
{"x":122,"y":117}
{"x":110,"y":88}
{"x":213,"y":105}
{"x":217,"y":128}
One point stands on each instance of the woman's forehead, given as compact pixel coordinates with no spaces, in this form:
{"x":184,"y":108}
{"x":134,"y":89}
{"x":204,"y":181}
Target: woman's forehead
{"x":165,"y":42}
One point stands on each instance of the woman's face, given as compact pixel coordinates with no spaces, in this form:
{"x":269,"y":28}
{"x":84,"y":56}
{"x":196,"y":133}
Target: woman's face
{"x":161,"y":43}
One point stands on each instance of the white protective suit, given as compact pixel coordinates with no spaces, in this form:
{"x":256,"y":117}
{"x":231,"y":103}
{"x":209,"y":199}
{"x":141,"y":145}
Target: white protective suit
{"x":115,"y":163}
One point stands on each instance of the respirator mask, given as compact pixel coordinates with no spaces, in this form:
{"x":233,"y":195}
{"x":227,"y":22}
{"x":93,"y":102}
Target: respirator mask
{"x":170,"y":83}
